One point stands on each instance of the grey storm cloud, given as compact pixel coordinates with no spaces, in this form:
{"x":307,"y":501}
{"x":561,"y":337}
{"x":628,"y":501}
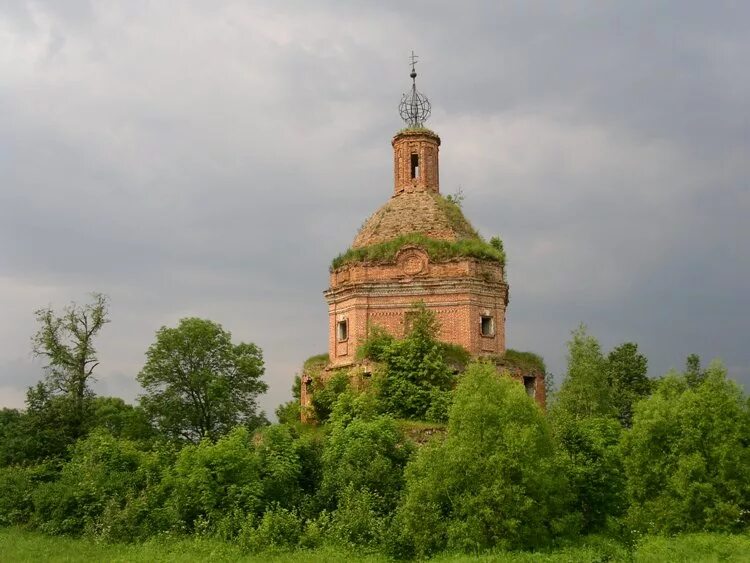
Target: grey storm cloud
{"x":211,"y":159}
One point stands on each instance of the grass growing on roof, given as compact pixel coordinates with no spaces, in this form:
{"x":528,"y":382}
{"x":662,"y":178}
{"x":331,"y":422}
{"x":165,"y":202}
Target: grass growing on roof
{"x":437,"y":250}
{"x":417,"y":129}
{"x":316,"y":362}
{"x":526,"y":361}
{"x":455,"y":216}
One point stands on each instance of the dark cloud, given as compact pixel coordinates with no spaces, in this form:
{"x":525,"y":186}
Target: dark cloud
{"x":212,"y":160}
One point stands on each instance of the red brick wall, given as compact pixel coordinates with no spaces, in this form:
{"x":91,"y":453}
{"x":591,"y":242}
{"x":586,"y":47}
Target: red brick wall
{"x":426,"y":147}
{"x":459,"y":292}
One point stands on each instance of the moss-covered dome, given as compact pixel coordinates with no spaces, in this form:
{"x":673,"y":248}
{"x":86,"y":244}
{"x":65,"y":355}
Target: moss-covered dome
{"x":419,"y":218}
{"x":424,"y":213}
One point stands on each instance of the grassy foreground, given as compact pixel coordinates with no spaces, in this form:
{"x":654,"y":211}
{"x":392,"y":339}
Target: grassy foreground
{"x":21,"y":545}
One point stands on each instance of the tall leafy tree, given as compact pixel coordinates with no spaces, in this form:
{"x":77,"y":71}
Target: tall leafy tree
{"x":585,"y":391}
{"x":628,"y":380}
{"x":66,"y":342}
{"x":198,"y":383}
{"x":586,"y":427}
{"x":687,"y":456}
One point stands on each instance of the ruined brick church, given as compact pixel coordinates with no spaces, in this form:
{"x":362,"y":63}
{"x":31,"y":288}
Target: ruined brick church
{"x":419,"y":247}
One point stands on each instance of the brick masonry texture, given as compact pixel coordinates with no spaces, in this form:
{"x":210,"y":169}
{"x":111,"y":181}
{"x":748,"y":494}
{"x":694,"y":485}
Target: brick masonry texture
{"x":461,"y":291}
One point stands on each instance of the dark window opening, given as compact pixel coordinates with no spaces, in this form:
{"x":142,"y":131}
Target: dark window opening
{"x":487,"y":326}
{"x":414,"y":166}
{"x":342,"y":331}
{"x":529,"y":383}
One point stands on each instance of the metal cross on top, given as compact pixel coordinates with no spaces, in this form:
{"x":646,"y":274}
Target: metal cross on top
{"x":413,"y":62}
{"x":414,"y":108}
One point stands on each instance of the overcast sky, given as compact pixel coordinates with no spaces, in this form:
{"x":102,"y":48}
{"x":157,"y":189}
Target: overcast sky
{"x":210,"y":159}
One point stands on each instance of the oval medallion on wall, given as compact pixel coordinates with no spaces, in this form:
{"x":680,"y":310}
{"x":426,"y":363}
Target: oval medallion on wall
{"x":412,"y":261}
{"x":413,"y":265}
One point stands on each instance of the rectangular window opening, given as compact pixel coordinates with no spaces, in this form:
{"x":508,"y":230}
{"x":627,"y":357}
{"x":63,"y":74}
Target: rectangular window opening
{"x":414,"y":166}
{"x":487,"y":325}
{"x":529,"y":383}
{"x":342,"y":331}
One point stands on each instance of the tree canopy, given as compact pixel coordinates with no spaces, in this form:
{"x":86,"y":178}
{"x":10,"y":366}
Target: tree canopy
{"x":198,"y":384}
{"x":496,"y":469}
{"x":687,"y":457}
{"x":66,"y":341}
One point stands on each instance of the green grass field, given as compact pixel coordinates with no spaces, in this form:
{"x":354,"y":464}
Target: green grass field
{"x":21,"y":545}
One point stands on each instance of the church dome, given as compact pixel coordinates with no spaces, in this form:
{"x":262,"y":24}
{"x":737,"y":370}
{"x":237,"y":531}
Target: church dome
{"x":415,"y":213}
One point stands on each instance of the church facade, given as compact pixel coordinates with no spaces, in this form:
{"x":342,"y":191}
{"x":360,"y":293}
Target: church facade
{"x":468,"y":294}
{"x":419,"y":247}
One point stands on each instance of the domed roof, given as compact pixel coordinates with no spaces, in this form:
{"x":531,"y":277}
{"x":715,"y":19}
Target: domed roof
{"x":418,"y":212}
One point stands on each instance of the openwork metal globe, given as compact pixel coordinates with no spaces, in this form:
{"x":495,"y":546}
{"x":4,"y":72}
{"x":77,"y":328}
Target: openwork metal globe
{"x":414,"y":108}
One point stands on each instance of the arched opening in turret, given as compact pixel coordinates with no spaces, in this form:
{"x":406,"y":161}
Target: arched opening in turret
{"x":414,"y":166}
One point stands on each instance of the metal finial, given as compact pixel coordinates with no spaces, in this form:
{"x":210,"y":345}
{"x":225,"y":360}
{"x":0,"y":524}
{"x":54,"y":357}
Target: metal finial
{"x":414,"y":107}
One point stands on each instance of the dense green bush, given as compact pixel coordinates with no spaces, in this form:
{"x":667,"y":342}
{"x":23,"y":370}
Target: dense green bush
{"x":280,"y":466}
{"x":216,"y":486}
{"x":687,"y":457}
{"x":103,"y":477}
{"x":326,"y":393}
{"x":592,"y":461}
{"x":364,"y":451}
{"x":278,"y":529}
{"x":50,"y":425}
{"x":413,"y":371}
{"x":359,"y":520}
{"x":493,"y":482}
{"x":17,"y":485}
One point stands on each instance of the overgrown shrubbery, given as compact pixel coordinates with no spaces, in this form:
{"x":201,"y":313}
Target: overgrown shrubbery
{"x":617,"y":456}
{"x":494,"y":481}
{"x":111,"y":488}
{"x":415,"y":378}
{"x":687,"y":457}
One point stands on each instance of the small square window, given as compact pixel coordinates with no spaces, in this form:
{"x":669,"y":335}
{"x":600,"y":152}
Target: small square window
{"x":487,"y":325}
{"x":342,"y":330}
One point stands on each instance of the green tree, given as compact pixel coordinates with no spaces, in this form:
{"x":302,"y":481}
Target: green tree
{"x":50,"y":424}
{"x":415,"y":372}
{"x":593,"y":464}
{"x":108,"y":488}
{"x":67,"y":343}
{"x":119,"y":419}
{"x":628,"y":380}
{"x":585,"y":391}
{"x":694,"y":375}
{"x":217,"y":486}
{"x":687,"y":456}
{"x":364,"y":450}
{"x":493,"y":482}
{"x":198,"y":383}
{"x":289,"y":412}
{"x":585,"y":424}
